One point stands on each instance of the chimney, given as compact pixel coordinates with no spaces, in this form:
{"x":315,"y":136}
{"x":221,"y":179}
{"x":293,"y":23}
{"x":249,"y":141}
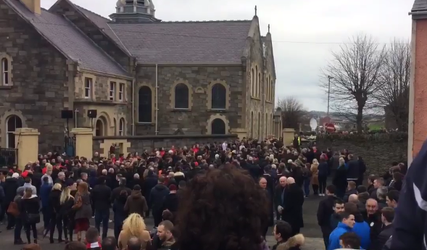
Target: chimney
{"x":33,"y":5}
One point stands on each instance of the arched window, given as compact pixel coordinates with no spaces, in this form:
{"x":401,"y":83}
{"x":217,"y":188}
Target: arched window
{"x":218,"y":127}
{"x":182,"y":96}
{"x":256,"y":82}
{"x":5,"y":71}
{"x":219,"y":95}
{"x":266,"y":124}
{"x":99,"y":128}
{"x":259,"y":84}
{"x":145,"y":104}
{"x":115,"y":126}
{"x":252,"y":125}
{"x":252,"y":82}
{"x":259,"y":126}
{"x":122,"y":127}
{"x":12,"y":123}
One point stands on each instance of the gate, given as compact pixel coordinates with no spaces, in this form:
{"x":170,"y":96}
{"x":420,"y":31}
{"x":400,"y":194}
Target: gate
{"x":70,"y":145}
{"x":8,"y":157}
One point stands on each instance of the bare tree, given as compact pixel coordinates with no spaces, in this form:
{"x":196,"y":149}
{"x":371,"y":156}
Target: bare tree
{"x":354,"y":74}
{"x":292,"y":112}
{"x":394,"y":93}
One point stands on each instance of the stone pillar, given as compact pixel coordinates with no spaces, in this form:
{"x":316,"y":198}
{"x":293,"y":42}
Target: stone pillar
{"x":288,"y":136}
{"x":27,"y":144}
{"x":84,"y":142}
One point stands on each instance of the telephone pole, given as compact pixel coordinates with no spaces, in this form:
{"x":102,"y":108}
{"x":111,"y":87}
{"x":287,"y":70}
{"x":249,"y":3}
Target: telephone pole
{"x":329,"y":92}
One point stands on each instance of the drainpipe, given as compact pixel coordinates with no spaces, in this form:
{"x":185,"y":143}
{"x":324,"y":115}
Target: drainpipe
{"x":157,"y":99}
{"x":133,"y":96}
{"x":133,"y":107}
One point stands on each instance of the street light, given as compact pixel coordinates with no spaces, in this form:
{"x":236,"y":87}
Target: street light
{"x":329,"y":92}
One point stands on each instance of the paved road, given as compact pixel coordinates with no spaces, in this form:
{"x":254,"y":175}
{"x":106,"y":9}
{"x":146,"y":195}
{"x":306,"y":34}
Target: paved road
{"x":311,"y":231}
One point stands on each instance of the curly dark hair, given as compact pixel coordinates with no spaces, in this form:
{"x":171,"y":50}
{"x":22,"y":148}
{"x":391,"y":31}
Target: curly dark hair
{"x":223,"y":209}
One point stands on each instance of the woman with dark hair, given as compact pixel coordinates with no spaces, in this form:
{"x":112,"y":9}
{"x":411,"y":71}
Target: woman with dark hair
{"x":285,"y":241}
{"x":222,"y":210}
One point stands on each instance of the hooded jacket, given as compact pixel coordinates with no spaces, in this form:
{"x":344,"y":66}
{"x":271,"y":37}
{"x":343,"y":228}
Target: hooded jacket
{"x":157,"y":196}
{"x":136,"y":203}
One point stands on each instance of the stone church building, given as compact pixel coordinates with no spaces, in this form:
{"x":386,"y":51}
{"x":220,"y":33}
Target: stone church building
{"x":141,"y":75}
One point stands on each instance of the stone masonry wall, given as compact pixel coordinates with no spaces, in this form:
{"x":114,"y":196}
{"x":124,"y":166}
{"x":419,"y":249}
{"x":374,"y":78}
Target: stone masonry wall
{"x":141,"y":143}
{"x":378,"y":151}
{"x":195,"y":120}
{"x":39,"y":74}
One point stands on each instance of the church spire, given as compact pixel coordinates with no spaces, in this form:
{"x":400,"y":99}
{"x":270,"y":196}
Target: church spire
{"x":134,"y":11}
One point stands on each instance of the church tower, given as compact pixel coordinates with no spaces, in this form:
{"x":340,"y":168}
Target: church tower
{"x":134,"y":11}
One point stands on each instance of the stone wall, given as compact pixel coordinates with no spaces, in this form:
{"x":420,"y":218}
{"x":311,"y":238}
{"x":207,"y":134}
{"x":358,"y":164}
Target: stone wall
{"x":194,"y":120}
{"x":141,"y":143}
{"x":35,"y":93}
{"x":377,"y":150}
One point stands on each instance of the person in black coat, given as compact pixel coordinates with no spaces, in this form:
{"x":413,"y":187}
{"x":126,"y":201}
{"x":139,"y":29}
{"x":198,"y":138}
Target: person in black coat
{"x":387,"y":217}
{"x":101,"y":195}
{"x":325,"y":211}
{"x":149,"y":183}
{"x":171,"y":200}
{"x":279,"y":196}
{"x":292,"y":210}
{"x":157,"y":196}
{"x":10,"y":186}
{"x":118,"y":190}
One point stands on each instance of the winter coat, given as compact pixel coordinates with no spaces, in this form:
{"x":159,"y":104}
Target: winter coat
{"x":314,"y":174}
{"x":136,"y":203}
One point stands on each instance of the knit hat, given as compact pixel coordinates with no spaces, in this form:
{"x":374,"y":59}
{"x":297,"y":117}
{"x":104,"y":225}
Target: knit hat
{"x":15,"y":175}
{"x":172,"y":187}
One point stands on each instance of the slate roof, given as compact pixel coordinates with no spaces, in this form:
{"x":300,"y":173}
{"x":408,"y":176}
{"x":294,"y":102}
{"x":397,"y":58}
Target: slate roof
{"x":210,"y":42}
{"x":69,"y":40}
{"x":220,"y":42}
{"x":419,"y":5}
{"x":102,"y":23}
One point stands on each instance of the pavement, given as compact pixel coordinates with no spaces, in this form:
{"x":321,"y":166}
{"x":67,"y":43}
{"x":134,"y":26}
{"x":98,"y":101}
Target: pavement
{"x":311,"y":232}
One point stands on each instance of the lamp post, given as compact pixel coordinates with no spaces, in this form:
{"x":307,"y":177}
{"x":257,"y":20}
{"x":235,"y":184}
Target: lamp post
{"x":329,"y":92}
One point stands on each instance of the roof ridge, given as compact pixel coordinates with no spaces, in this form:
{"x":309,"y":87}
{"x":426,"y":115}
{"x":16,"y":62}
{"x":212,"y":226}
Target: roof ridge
{"x":208,"y":21}
{"x":96,"y":14}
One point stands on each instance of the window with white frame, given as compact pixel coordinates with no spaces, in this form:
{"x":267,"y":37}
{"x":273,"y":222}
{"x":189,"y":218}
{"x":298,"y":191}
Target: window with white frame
{"x":88,"y":87}
{"x":112,"y":91}
{"x":121,"y":91}
{"x":5,"y":71}
{"x":122,"y":127}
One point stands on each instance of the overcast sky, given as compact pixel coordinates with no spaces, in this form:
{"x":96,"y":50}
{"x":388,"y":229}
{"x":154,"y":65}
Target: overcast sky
{"x":304,"y":31}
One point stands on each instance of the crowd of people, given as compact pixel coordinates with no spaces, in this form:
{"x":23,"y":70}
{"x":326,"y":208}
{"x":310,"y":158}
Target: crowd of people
{"x":215,"y":196}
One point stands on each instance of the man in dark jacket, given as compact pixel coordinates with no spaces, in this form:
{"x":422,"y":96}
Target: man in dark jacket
{"x":116,"y":192}
{"x":171,"y":200}
{"x":10,"y":186}
{"x":149,"y":183}
{"x":410,"y":224}
{"x":101,"y":195}
{"x":157,"y":196}
{"x":387,"y":217}
{"x":279,"y":197}
{"x":373,"y":218}
{"x":353,"y":169}
{"x":324,"y":213}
